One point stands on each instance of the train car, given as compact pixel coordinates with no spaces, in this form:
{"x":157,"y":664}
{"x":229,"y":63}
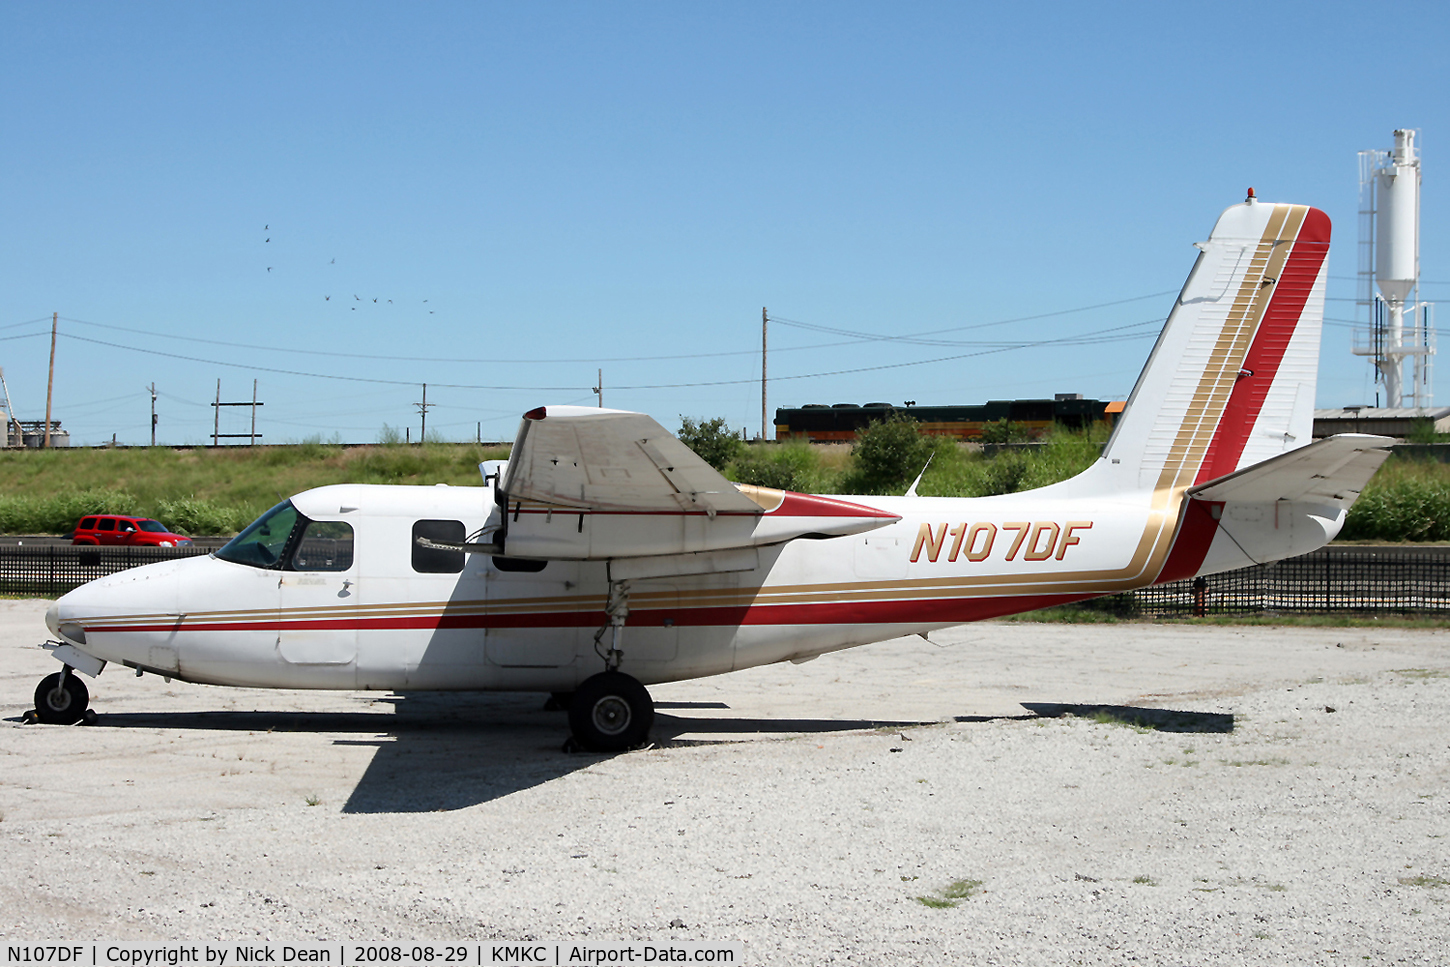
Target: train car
{"x":840,"y":423}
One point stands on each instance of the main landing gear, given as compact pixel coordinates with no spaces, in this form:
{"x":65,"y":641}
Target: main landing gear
{"x":61,"y":699}
{"x":611,"y":711}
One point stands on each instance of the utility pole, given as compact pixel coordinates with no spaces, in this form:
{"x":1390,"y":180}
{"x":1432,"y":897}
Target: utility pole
{"x":764,"y":319}
{"x":216,"y":417}
{"x":599,"y":389}
{"x":253,"y":441}
{"x":50,"y":383}
{"x":423,"y":409}
{"x":153,"y":415}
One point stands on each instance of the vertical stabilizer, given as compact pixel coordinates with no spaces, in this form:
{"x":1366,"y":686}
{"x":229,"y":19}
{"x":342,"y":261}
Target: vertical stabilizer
{"x":1231,"y":380}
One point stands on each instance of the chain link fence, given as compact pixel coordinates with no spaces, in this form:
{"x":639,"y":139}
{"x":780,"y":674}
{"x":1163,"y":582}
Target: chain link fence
{"x":1365,"y":579}
{"x":49,"y":570}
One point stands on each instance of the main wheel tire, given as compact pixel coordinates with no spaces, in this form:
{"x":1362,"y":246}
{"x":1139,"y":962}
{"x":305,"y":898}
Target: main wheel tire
{"x":611,"y":712}
{"x":61,"y":704}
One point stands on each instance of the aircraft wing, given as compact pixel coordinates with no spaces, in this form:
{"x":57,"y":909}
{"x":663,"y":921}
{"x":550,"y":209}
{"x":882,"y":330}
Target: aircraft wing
{"x":594,"y":484}
{"x":585,"y":458}
{"x":1329,"y":471}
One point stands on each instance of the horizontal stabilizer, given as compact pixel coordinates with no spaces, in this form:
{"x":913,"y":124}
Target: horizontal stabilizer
{"x":1329,"y":471}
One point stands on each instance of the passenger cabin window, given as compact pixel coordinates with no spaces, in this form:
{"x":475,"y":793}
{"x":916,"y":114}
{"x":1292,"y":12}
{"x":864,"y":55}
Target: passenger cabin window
{"x":324,"y":545}
{"x":106,"y":524}
{"x":264,"y":541}
{"x":431,"y":560}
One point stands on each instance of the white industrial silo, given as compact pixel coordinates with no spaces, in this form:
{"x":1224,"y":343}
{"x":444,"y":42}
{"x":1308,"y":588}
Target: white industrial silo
{"x":1389,"y":269}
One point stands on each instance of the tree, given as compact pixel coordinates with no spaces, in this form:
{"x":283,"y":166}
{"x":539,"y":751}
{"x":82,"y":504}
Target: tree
{"x":713,"y":440}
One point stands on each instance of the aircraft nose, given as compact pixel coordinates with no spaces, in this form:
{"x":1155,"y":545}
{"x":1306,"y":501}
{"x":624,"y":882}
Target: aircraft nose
{"x":52,"y":618}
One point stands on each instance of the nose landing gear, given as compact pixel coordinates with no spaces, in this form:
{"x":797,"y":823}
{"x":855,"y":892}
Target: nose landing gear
{"x":61,"y":699}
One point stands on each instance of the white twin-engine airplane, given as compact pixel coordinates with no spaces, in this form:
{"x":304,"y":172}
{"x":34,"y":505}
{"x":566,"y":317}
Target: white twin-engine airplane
{"x":605,"y":556}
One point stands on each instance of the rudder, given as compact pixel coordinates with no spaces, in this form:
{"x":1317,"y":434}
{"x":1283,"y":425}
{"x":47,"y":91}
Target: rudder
{"x":1232,"y":377}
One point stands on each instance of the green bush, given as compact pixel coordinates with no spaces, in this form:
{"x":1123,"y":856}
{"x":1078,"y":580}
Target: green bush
{"x":57,"y":513}
{"x":1005,"y":431}
{"x":713,"y":440}
{"x":888,"y":455}
{"x":784,"y":466}
{"x":193,"y":517}
{"x":1408,"y":500}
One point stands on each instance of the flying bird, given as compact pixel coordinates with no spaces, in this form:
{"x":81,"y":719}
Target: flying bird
{"x":354,"y":295}
{"x":333,"y":262}
{"x":327,"y":298}
{"x":266,"y":228}
{"x":266,"y":240}
{"x":375,"y":300}
{"x":269,"y":268}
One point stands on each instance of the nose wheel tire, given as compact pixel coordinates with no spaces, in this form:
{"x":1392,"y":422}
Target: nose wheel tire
{"x":61,"y":700}
{"x":611,"y":712}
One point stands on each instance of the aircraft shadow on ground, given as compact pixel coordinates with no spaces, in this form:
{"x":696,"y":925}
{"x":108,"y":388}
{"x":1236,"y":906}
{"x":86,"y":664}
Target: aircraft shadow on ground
{"x":1157,"y":719}
{"x":442,"y":751}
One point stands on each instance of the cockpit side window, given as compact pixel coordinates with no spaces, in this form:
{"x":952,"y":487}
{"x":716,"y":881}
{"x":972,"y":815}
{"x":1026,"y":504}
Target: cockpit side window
{"x":324,"y":545}
{"x":264,"y":542}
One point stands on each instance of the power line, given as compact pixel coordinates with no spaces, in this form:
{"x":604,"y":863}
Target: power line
{"x":295,"y":372}
{"x":979,"y":325}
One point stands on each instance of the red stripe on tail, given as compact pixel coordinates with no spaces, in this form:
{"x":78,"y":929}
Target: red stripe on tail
{"x":1281,"y":318}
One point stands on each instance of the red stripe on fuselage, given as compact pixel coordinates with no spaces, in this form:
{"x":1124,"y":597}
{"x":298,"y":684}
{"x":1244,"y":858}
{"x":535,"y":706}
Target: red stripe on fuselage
{"x":913,"y":611}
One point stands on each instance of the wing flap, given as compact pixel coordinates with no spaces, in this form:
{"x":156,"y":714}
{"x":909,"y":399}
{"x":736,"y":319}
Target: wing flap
{"x":1330,"y":471}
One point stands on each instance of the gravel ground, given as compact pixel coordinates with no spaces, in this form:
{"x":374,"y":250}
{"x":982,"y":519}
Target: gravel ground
{"x":1292,"y":805}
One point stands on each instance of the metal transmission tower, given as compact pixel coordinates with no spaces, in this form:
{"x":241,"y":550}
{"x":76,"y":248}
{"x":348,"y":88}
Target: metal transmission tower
{"x":216,"y":434}
{"x":1397,"y":323}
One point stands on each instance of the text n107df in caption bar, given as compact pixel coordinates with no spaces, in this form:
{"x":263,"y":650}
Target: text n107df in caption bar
{"x":348,"y":954}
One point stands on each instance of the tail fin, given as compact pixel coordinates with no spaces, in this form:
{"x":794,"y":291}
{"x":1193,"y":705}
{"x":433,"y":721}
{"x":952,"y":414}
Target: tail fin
{"x":1231,"y":379}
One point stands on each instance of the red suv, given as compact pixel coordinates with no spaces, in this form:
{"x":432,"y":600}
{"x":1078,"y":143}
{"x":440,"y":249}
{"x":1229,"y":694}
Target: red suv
{"x":115,"y":529}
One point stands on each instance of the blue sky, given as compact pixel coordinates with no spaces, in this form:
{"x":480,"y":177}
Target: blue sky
{"x":532,"y":192}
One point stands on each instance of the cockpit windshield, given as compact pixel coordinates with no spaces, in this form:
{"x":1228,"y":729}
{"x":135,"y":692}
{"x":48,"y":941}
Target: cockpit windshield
{"x":264,"y":541}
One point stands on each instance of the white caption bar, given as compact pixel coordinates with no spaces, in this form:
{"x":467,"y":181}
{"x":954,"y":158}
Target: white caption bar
{"x":355,"y":954}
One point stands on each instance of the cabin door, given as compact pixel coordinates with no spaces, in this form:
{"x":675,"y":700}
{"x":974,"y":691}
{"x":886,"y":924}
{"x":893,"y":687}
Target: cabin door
{"x":320,"y":598}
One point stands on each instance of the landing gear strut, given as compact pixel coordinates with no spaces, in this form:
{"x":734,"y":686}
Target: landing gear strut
{"x":611,"y":711}
{"x":61,"y":699}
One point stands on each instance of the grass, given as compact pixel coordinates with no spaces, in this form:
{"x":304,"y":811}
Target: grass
{"x":219,"y":490}
{"x":950,"y":896}
{"x":1434,"y":882}
{"x":204,"y":490}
